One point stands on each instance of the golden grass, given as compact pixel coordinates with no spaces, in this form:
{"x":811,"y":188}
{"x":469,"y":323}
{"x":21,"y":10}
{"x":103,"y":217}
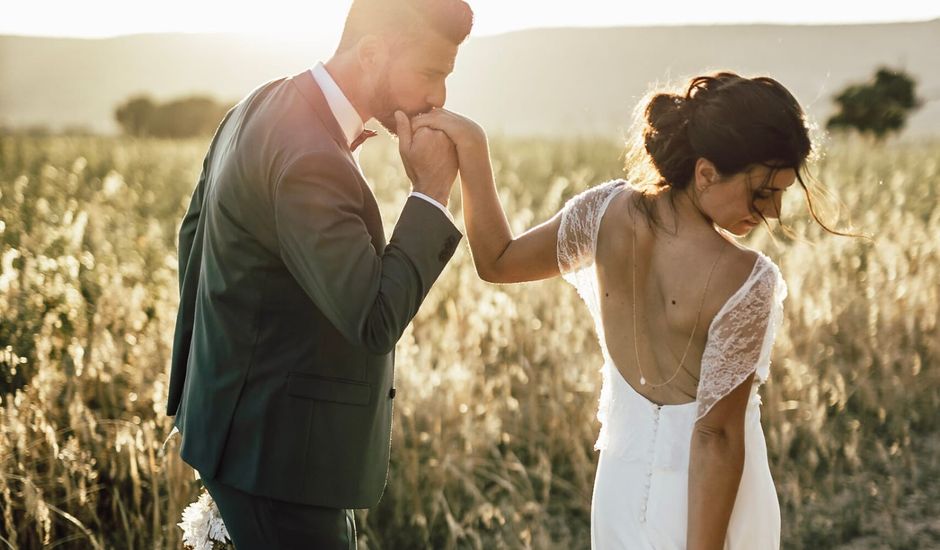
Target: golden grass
{"x":498,"y":385}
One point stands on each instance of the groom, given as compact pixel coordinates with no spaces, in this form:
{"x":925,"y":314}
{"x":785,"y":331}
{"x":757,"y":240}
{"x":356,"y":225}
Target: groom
{"x":291,"y":299}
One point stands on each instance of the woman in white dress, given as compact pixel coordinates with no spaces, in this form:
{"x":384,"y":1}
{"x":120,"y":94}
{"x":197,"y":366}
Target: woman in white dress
{"x":685,"y":316}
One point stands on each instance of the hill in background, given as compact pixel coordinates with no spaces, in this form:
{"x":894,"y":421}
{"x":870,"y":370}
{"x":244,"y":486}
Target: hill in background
{"x":541,"y":82}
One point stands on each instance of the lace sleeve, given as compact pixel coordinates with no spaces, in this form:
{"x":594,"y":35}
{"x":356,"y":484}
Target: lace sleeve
{"x":577,"y":234}
{"x":741,"y":336}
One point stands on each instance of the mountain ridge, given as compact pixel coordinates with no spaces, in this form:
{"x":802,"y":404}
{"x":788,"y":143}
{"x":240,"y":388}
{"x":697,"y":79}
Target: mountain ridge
{"x":555,"y":81}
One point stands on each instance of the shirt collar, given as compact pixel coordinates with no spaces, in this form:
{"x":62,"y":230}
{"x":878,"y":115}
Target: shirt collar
{"x":346,"y":115}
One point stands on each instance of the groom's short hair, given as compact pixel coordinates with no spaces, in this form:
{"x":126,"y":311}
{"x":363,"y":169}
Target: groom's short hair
{"x":450,"y":19}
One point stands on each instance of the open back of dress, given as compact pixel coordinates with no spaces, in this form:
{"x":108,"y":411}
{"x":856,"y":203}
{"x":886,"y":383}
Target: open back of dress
{"x":641,"y":491}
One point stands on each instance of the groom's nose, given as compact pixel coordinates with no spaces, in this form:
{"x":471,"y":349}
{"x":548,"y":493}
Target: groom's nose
{"x":437,"y":98}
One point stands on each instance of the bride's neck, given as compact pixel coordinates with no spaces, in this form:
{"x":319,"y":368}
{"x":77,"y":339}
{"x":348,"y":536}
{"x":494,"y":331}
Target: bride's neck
{"x":689,"y":217}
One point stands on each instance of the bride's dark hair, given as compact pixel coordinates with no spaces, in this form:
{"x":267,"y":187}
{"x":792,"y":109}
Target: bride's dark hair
{"x":733,"y":121}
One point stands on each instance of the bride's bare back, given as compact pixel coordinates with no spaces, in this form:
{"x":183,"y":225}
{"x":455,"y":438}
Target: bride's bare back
{"x":673,"y":263}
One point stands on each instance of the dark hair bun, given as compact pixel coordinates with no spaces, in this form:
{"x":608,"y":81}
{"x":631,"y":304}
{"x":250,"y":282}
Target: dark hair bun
{"x":732,"y":121}
{"x":666,"y":138}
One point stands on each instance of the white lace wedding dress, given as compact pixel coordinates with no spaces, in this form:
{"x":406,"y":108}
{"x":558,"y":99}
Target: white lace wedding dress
{"x":641,"y":488}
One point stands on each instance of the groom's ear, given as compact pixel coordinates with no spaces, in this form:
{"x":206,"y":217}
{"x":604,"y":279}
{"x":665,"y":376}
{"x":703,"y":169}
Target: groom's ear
{"x":372,"y":53}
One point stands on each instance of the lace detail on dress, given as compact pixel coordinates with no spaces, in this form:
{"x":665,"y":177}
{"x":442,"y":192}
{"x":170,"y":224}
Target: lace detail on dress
{"x":577,"y":244}
{"x":741,"y":335}
{"x":580,"y":221}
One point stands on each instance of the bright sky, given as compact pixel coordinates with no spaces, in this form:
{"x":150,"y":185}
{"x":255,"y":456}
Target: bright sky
{"x":97,"y":18}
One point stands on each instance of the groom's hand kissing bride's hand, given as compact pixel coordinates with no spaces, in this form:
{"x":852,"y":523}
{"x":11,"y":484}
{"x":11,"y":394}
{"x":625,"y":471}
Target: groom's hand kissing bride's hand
{"x":430,"y":159}
{"x":473,"y":154}
{"x":467,"y":135}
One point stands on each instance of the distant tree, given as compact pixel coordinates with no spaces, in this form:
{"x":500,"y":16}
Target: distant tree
{"x":179,"y":118}
{"x":134,"y":116}
{"x":187,"y":117}
{"x":879,"y":107}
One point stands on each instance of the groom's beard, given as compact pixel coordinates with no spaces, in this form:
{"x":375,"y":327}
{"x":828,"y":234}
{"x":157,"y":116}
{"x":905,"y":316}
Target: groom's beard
{"x":384,"y":106}
{"x":388,"y":122}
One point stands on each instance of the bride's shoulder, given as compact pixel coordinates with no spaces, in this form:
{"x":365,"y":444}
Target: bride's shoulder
{"x":591,"y":207}
{"x":598,"y":195}
{"x":619,"y":195}
{"x":758,"y":262}
{"x":620,"y":217}
{"x":748,"y":271}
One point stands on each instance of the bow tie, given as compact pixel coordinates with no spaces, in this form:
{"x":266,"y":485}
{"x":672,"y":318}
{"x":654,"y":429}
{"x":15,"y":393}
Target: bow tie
{"x":361,"y":138}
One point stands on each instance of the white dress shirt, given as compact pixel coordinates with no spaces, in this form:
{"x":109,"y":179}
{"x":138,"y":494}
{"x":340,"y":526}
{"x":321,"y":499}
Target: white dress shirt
{"x":349,"y":120}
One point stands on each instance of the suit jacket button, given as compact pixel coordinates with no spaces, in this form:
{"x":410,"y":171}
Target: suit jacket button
{"x":450,"y":246}
{"x":391,"y":393}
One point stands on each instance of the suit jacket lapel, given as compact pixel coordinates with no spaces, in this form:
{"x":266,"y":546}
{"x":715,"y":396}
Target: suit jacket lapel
{"x":314,"y":96}
{"x":311,"y":92}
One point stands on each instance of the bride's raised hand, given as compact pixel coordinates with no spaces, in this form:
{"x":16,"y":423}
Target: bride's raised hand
{"x":466,"y":134}
{"x":497,"y":255}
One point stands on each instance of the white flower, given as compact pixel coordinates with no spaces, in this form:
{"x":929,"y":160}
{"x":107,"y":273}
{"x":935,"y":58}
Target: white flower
{"x":113,"y":183}
{"x":202,"y":524}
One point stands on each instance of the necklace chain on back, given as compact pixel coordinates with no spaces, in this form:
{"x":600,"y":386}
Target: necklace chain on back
{"x":698,"y":317}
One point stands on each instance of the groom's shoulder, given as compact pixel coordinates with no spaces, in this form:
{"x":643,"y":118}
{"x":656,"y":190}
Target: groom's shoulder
{"x":279,"y":116}
{"x":299,"y":139}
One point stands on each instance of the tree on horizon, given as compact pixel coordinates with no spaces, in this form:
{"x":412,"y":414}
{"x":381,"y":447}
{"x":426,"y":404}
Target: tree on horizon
{"x":180,"y":118}
{"x":879,"y":107}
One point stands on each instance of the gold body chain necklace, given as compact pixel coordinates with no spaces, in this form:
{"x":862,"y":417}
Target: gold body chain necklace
{"x":698,"y":317}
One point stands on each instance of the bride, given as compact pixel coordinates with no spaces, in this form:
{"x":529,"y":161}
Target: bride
{"x":684,"y":314}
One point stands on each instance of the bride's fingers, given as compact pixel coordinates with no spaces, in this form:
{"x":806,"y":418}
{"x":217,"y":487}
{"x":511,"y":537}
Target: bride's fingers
{"x":438,"y":119}
{"x":451,"y":130}
{"x":425,"y":121}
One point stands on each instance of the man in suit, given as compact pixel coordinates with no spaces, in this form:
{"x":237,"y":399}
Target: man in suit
{"x":291,"y":299}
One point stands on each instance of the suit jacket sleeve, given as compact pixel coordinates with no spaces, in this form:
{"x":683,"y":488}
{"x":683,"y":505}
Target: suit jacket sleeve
{"x":370,"y":297}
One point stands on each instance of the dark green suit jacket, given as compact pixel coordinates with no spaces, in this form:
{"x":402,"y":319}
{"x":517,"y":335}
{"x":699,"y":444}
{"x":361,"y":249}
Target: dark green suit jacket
{"x":291,"y":302}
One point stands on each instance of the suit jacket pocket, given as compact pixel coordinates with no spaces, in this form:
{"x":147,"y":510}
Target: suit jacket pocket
{"x":334,"y":390}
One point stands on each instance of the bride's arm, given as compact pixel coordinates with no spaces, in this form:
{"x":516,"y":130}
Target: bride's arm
{"x":716,"y":463}
{"x":498,"y":256}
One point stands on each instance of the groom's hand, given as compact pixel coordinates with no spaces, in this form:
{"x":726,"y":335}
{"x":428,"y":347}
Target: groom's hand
{"x":430,"y":159}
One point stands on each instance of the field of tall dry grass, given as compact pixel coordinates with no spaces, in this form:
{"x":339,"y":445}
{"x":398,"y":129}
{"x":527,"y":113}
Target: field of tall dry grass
{"x":492,"y":445}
